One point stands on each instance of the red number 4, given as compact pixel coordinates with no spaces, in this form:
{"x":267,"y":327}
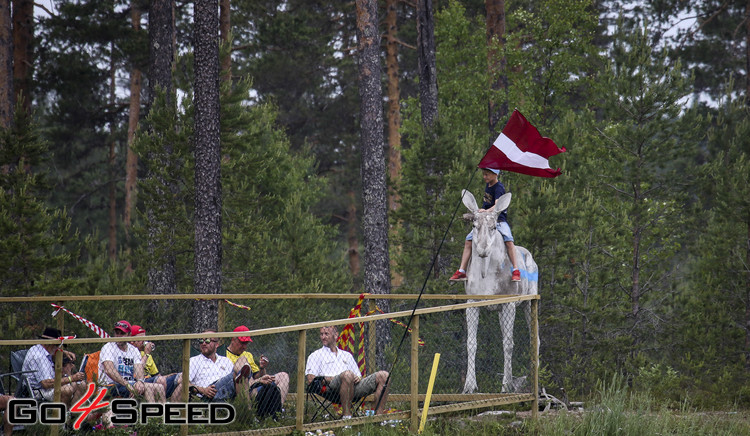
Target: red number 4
{"x":84,"y":411}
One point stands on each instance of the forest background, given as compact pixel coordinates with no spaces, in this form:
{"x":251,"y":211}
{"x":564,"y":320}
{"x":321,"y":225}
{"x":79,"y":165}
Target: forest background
{"x":643,"y":243}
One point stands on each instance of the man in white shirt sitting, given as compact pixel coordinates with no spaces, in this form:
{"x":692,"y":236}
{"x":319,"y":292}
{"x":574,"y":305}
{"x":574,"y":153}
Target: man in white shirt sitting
{"x":120,"y":367}
{"x":215,"y":376}
{"x":40,"y":369}
{"x":342,"y":374}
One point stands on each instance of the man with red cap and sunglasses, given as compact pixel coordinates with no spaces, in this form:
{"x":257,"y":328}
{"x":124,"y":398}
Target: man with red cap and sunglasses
{"x":238,"y":348}
{"x":121,"y":368}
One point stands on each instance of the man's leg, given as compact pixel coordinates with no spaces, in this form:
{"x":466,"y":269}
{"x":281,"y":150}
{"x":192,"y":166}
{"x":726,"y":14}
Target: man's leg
{"x":282,"y":381}
{"x":346,"y":391}
{"x":374,"y":384}
{"x":7,"y":427}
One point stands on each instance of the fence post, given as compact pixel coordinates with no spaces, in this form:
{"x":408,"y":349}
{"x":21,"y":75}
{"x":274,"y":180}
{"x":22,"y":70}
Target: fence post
{"x":185,"y":379}
{"x":535,"y":358}
{"x":371,"y":365}
{"x":414,"y":421}
{"x":58,"y":385}
{"x":221,"y":319}
{"x":301,"y":379}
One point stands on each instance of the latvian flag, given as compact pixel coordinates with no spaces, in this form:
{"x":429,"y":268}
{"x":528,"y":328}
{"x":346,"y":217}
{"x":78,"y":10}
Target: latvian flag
{"x":521,"y":149}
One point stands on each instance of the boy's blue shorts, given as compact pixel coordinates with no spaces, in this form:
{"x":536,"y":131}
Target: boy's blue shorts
{"x":501,"y":227}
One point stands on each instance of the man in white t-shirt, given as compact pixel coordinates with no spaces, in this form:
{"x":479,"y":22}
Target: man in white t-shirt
{"x":342,"y":376}
{"x":121,"y":368}
{"x":215,"y":376}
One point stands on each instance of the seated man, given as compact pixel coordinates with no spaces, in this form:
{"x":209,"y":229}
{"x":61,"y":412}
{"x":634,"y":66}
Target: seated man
{"x":39,"y":361}
{"x":342,"y":374}
{"x":214,"y":376}
{"x":172,"y":382}
{"x":120,"y":367}
{"x":238,"y":347}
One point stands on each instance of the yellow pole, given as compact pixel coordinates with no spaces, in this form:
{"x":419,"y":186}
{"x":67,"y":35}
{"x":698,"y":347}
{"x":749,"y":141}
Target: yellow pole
{"x":427,"y":398}
{"x":535,"y":358}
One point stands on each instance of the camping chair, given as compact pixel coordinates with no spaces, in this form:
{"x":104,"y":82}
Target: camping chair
{"x":324,"y":399}
{"x":23,"y":385}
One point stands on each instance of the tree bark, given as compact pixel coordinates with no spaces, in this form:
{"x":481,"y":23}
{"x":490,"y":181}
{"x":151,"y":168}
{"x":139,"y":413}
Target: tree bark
{"x":208,"y":248}
{"x":112,"y":228}
{"x":374,"y":190}
{"x":131,"y":163}
{"x":23,"y":36}
{"x":162,"y":277}
{"x":428,"y":91}
{"x":6,"y":65}
{"x":224,"y":29}
{"x":496,"y":62}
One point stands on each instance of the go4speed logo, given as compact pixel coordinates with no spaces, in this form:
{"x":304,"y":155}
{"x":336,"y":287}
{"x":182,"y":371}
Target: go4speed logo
{"x":125,"y":411}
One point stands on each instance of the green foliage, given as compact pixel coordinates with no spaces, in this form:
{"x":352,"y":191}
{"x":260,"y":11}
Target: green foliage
{"x":34,"y":252}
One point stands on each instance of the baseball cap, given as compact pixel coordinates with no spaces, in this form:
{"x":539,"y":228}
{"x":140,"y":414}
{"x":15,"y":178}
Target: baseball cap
{"x":243,"y":328}
{"x":123,"y":326}
{"x":136,"y":330}
{"x":493,"y":170}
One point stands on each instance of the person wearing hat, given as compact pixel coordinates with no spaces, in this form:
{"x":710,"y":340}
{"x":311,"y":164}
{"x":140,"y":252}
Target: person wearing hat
{"x":214,"y":376}
{"x":238,"y":347}
{"x":121,"y":369}
{"x":493,"y":190}
{"x":39,"y":362}
{"x":171,"y":382}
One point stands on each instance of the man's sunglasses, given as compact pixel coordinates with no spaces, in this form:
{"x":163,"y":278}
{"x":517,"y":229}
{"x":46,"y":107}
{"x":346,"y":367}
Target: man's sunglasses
{"x":207,"y":341}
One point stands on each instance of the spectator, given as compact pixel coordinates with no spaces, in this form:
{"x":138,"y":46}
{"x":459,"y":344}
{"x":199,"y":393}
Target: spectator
{"x":120,"y":367}
{"x":172,"y":382}
{"x":238,"y":347}
{"x":342,"y":374}
{"x":39,"y":361}
{"x":215,"y":376}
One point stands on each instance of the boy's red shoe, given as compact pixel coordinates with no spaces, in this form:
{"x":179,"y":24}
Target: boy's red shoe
{"x":458,"y":276}
{"x":516,"y":275}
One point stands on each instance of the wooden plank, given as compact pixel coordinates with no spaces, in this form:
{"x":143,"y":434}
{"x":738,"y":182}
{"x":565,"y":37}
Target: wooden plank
{"x":283,"y":329}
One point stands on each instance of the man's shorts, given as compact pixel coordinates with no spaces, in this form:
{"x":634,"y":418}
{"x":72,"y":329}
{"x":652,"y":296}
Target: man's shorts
{"x":118,"y":390}
{"x":365,"y":387}
{"x":225,"y":389}
{"x":171,"y":382}
{"x":501,"y":227}
{"x":46,"y":394}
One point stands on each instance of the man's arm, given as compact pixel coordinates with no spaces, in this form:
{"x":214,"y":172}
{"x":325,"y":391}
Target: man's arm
{"x":109,"y":369}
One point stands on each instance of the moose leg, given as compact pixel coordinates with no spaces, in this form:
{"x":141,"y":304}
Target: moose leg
{"x":507,"y":318}
{"x":472,"y":320}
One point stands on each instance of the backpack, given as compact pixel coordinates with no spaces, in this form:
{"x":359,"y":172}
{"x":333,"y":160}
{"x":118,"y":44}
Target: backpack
{"x":91,"y":368}
{"x":268,"y":401}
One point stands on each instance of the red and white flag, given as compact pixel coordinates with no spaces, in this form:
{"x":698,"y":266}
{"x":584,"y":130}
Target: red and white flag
{"x":521,"y":149}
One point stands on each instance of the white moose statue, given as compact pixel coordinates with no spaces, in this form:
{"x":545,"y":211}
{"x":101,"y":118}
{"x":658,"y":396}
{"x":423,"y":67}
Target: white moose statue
{"x":489,"y":273}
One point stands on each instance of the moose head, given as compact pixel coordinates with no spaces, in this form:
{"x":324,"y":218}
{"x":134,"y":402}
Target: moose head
{"x":484,"y":222}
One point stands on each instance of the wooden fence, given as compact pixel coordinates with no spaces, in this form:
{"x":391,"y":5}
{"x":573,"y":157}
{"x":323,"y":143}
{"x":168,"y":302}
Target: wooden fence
{"x":413,"y":397}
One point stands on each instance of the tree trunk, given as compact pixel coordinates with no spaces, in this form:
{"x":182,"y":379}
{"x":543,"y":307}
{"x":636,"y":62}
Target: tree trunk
{"x":428,"y":91}
{"x":497,"y":110}
{"x":394,"y":118}
{"x":747,"y":57}
{"x":162,"y":277}
{"x":224,"y":29}
{"x":6,"y":65}
{"x":374,"y":190}
{"x":23,"y":35}
{"x":112,"y":228}
{"x":131,"y":163}
{"x":207,"y":163}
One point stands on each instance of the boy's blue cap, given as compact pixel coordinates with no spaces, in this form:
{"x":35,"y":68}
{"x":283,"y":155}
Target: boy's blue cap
{"x":493,"y":170}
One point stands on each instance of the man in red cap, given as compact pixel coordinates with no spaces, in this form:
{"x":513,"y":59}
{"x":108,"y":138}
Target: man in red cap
{"x":238,"y":347}
{"x":120,"y":367}
{"x":172,"y":382}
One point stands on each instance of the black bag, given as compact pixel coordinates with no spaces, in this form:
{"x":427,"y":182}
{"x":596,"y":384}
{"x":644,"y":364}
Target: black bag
{"x":268,"y":401}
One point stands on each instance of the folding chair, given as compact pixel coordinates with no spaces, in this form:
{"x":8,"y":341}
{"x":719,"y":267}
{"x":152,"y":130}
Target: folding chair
{"x":324,"y":399}
{"x":23,"y":385}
